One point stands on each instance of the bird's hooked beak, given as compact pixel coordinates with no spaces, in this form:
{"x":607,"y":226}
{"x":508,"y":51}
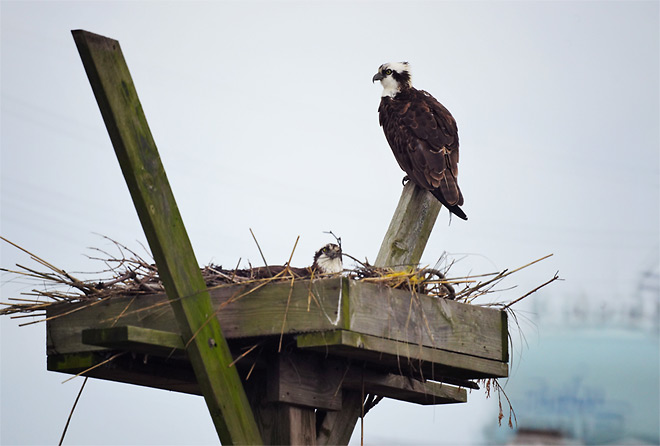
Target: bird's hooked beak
{"x":377,"y":77}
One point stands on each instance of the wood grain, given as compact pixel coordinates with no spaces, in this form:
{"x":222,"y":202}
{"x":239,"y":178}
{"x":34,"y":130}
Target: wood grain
{"x":419,"y":319}
{"x":305,"y":379}
{"x":412,"y":359}
{"x":163,"y":226}
{"x":410,"y":228}
{"x":136,"y":339}
{"x":365,"y":308}
{"x":403,"y":388}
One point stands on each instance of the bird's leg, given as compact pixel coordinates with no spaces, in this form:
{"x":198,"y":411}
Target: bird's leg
{"x":405,"y":180}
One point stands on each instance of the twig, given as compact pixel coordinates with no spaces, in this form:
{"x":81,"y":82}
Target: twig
{"x":130,"y":274}
{"x":364,"y":265}
{"x":67,"y":312}
{"x":260,"y":252}
{"x":468,"y":291}
{"x":123,"y":311}
{"x":244,"y":354}
{"x":288,"y":263}
{"x":556,"y":277}
{"x":232,"y":279}
{"x":95,"y":366}
{"x":34,"y":301}
{"x":66,"y":426}
{"x":286,"y":311}
{"x":338,"y":239}
{"x":235,"y":269}
{"x":530,"y":264}
{"x":251,"y":369}
{"x":35,"y":257}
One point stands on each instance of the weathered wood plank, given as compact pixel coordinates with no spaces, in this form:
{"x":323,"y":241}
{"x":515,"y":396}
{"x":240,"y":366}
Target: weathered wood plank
{"x":280,"y":423}
{"x":403,"y":388}
{"x":409,"y":229}
{"x":301,"y":378}
{"x":298,"y":425}
{"x":163,"y":226}
{"x":313,"y":306}
{"x":64,"y":332}
{"x":144,"y":370}
{"x":365,"y":308}
{"x":136,"y":339}
{"x":419,"y":319}
{"x":337,"y":427}
{"x":287,"y":424}
{"x":305,"y":379}
{"x":259,"y":313}
{"x":422,"y":362}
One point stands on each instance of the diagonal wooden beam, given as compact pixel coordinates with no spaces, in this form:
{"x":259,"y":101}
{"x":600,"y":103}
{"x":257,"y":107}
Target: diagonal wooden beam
{"x":145,"y":176}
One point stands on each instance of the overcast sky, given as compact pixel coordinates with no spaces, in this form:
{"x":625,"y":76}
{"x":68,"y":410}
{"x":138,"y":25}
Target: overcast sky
{"x":266,"y":118}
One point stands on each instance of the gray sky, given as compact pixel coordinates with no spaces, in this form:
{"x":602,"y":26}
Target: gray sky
{"x":266,"y":118}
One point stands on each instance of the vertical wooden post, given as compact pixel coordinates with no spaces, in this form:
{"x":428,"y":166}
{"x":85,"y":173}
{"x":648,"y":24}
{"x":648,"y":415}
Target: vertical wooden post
{"x":178,"y":269}
{"x":403,"y":245}
{"x":296,"y":425}
{"x":280,"y":423}
{"x":338,"y":426}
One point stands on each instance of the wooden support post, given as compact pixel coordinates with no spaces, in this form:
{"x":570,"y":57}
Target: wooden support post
{"x":295,"y":425}
{"x":409,"y":229}
{"x":337,"y":427}
{"x":402,"y":246}
{"x":145,"y":176}
{"x":280,"y":423}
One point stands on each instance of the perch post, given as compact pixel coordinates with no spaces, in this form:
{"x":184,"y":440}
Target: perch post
{"x":410,"y":228}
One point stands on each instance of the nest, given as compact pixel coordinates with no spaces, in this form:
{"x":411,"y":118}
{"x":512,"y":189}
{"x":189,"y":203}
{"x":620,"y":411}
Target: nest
{"x":130,"y":275}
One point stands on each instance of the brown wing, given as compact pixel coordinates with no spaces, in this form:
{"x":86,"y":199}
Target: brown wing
{"x":424,"y":138}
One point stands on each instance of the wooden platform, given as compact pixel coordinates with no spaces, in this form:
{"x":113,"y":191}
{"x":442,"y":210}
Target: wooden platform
{"x":319,"y":347}
{"x":348,"y":335}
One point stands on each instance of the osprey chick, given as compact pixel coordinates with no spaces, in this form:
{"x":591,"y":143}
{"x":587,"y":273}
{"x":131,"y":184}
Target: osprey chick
{"x":327,"y":260}
{"x":422,"y":134}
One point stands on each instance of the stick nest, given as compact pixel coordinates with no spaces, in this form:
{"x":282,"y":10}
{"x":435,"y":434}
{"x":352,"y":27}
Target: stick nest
{"x":129,"y":275}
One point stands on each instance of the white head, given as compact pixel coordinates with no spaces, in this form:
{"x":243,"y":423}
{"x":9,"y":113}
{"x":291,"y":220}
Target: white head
{"x":393,"y":76}
{"x":327,"y":260}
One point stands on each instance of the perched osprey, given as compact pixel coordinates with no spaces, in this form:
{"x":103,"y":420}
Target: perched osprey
{"x":327,"y":260}
{"x":422,"y":134}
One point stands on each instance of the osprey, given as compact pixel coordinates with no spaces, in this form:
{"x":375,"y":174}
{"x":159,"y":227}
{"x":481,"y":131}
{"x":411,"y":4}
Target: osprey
{"x":327,"y":260}
{"x":422,"y":134}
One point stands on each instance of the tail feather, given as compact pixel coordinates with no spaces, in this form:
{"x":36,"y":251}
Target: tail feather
{"x":454,"y":209}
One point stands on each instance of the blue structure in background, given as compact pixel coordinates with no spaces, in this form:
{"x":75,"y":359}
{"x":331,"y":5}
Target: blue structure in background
{"x":587,"y":386}
{"x":592,"y":376}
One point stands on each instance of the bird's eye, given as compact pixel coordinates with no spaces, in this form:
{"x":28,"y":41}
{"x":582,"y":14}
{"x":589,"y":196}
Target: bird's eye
{"x":388,"y":71}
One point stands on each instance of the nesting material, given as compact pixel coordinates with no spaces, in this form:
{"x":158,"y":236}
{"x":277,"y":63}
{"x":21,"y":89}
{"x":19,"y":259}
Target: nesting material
{"x":129,"y":275}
